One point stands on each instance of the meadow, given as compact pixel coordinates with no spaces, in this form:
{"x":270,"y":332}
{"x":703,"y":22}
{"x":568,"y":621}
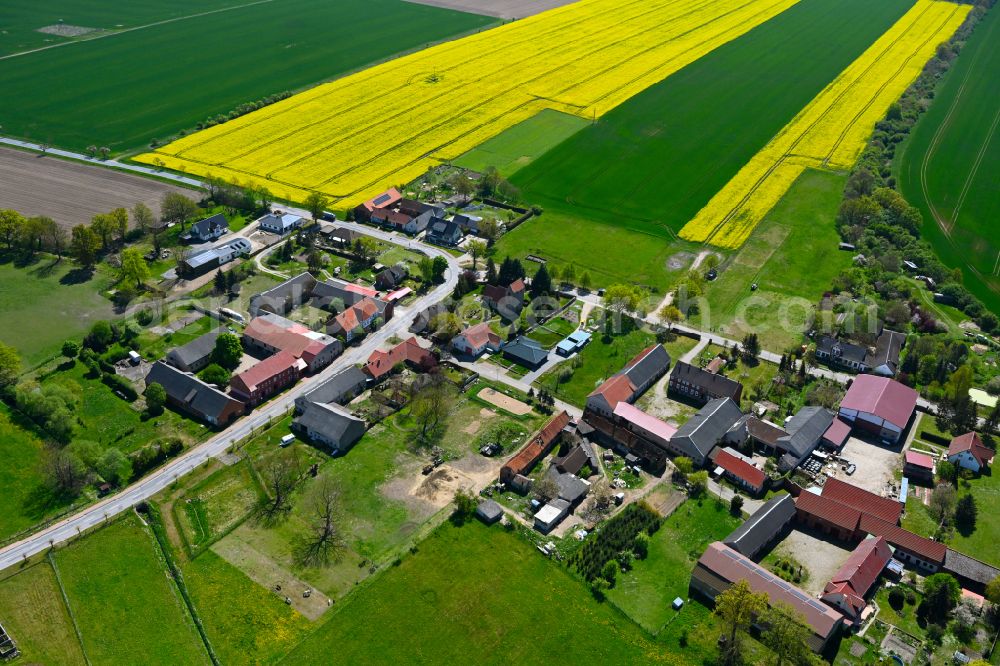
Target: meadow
{"x":653,"y":162}
{"x":113,"y":579}
{"x":792,"y":256}
{"x":48,"y":299}
{"x":948,"y":165}
{"x":33,"y":612}
{"x":124,"y":90}
{"x":388,"y":124}
{"x":522,"y":144}
{"x":832,"y":130}
{"x":472,"y":594}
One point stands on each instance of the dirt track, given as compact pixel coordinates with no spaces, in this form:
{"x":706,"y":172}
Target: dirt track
{"x":506,"y":9}
{"x":71,"y":193}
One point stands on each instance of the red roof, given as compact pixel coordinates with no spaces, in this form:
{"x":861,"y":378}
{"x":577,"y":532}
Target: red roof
{"x":883,"y":397}
{"x":391,"y":217}
{"x":863,"y":567}
{"x":359,"y":289}
{"x":828,"y":510}
{"x":647,"y":422}
{"x":919,"y":460}
{"x":247,"y":381}
{"x":615,"y":390}
{"x":837,"y":433}
{"x":850,"y":598}
{"x":387,"y":198}
{"x":538,"y":445}
{"x":740,"y":468}
{"x":517,"y":286}
{"x":295,"y":339}
{"x":731,"y":566}
{"x":886,"y":509}
{"x":351,"y":318}
{"x":932,"y":551}
{"x":480,"y":334}
{"x":970,"y":442}
{"x":381,"y":363}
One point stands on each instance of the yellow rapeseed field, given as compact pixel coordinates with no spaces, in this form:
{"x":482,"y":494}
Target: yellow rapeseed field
{"x":832,"y":130}
{"x":386,"y":125}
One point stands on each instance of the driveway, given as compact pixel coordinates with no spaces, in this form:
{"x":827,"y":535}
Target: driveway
{"x":875,"y":465}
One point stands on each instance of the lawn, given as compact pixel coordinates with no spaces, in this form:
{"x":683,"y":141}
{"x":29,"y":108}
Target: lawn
{"x":601,"y":358}
{"x":25,"y":497}
{"x":653,"y":162}
{"x":646,"y":592}
{"x":111,"y":421}
{"x":476,"y":595}
{"x":950,"y":161}
{"x":126,"y":606}
{"x":217,"y":505}
{"x":520,"y":145}
{"x":33,"y":613}
{"x":44,"y":304}
{"x":84,"y":94}
{"x":756,"y":377}
{"x":154,"y":346}
{"x":792,"y":256}
{"x":610,"y":254}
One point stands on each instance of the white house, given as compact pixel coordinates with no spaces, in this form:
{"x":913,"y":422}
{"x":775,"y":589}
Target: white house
{"x":476,"y":339}
{"x":280,"y":224}
{"x":969,"y":452}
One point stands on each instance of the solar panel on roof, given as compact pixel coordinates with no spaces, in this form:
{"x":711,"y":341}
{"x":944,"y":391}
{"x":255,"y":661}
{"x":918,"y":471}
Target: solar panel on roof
{"x":381,"y":199}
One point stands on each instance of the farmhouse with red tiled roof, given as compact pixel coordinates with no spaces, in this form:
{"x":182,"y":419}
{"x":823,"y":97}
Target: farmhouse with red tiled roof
{"x":969,"y":452}
{"x":738,"y":469}
{"x":855,"y":579}
{"x":381,"y":363}
{"x":516,"y":469}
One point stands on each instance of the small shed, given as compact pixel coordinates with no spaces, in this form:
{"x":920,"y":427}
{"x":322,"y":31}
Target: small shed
{"x":678,"y":604}
{"x":489,"y":512}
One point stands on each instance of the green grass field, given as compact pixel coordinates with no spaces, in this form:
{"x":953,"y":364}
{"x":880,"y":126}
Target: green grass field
{"x":24,"y":496}
{"x":646,"y":592}
{"x":41,"y":306}
{"x":654,"y":161}
{"x":23,"y":18}
{"x":950,"y":162}
{"x":33,"y":612}
{"x":126,"y":606}
{"x":522,"y":144}
{"x":792,"y":256}
{"x":476,"y":595}
{"x":126,"y":89}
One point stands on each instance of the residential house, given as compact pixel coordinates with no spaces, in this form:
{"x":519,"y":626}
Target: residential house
{"x":573,"y":343}
{"x":337,"y":236}
{"x":443,"y":232}
{"x":856,"y":578}
{"x":391,"y":218}
{"x":195,"y":355}
{"x":262,"y":380}
{"x":766,"y":526}
{"x":605,"y":398}
{"x":518,"y":467}
{"x":203,"y":261}
{"x":284,"y":297}
{"x":882,"y":359}
{"x":841,"y":353}
{"x":280,"y":223}
{"x":525,"y":352}
{"x":629,"y":383}
{"x":703,"y":431}
{"x":741,"y":470}
{"x":271,"y":333}
{"x":391,"y":277}
{"x":210,"y":229}
{"x":331,"y":425}
{"x":507,"y":301}
{"x":389,"y":198}
{"x":878,"y":406}
{"x":720,"y":567}
{"x":189,"y":394}
{"x":968,"y":452}
{"x":468,"y":223}
{"x":572,"y":489}
{"x":918,"y":466}
{"x":341,"y":388}
{"x":381,"y":363}
{"x":477,"y":339}
{"x":354,"y":320}
{"x":421,"y":214}
{"x":702,"y":386}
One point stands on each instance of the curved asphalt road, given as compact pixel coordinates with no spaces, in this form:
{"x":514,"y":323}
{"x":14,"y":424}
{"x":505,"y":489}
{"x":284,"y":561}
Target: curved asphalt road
{"x":218,"y":444}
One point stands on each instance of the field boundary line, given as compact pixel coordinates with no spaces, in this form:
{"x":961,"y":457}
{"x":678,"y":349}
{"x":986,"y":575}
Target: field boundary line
{"x":975,"y":168}
{"x":69,"y":608}
{"x":105,"y":35}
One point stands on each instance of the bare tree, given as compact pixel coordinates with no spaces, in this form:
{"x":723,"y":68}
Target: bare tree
{"x":66,"y":473}
{"x":429,"y":406}
{"x":280,"y":474}
{"x":323,"y":542}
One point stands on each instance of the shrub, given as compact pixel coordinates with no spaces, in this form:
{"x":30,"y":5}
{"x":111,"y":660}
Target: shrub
{"x":120,"y":385}
{"x":896,"y":598}
{"x":911,"y":597}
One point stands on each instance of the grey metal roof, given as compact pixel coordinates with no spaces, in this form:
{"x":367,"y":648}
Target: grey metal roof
{"x":841,"y":349}
{"x":335,"y":388}
{"x":805,"y":430}
{"x":713,"y":384}
{"x":196,"y":350}
{"x":760,"y":528}
{"x":652,"y":364}
{"x":571,"y":488}
{"x":709,"y":424}
{"x":332,"y":421}
{"x":209,"y":224}
{"x":526,"y":349}
{"x":187,"y":389}
{"x":293,"y":291}
{"x":887,"y":349}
